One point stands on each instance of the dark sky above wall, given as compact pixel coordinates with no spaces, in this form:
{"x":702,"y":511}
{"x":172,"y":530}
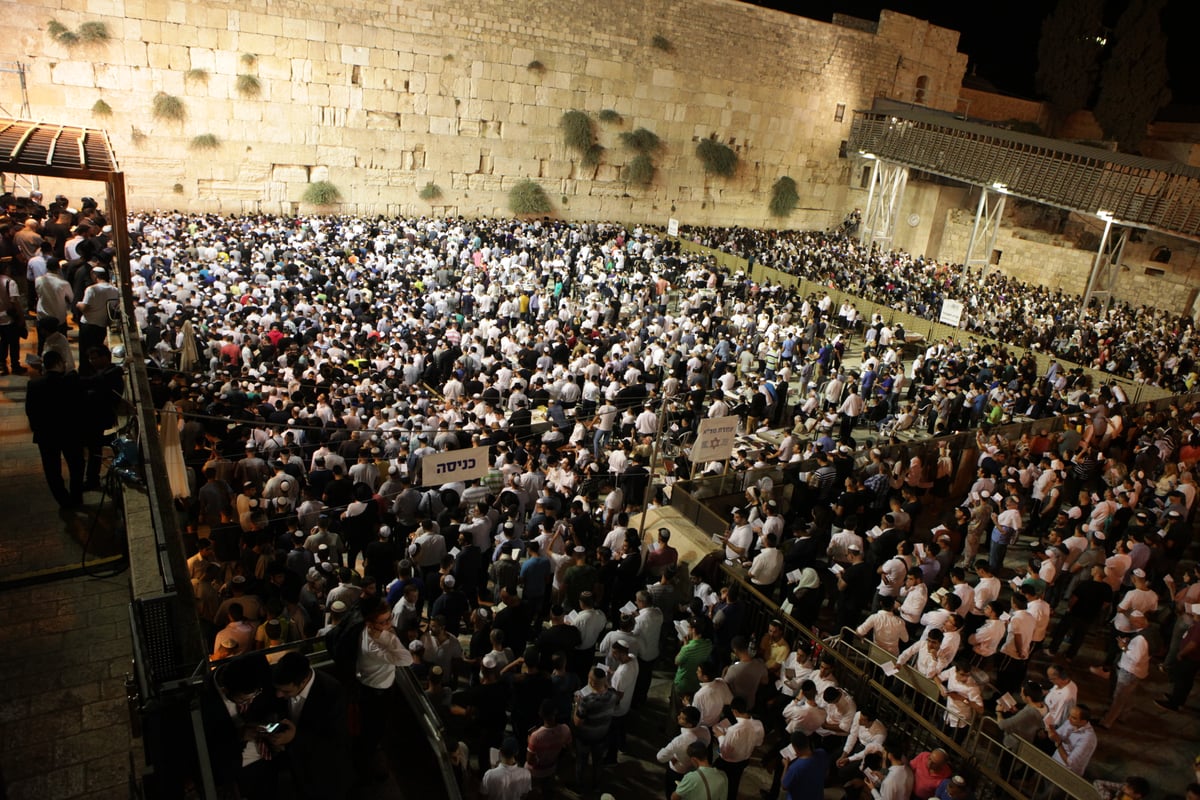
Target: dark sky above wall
{"x":1001,"y":38}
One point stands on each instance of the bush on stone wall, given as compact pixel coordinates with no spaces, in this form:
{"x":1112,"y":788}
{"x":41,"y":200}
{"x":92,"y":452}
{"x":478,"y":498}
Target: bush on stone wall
{"x":611,"y":116}
{"x":93,"y":33}
{"x":640,"y":171}
{"x":249,"y":85}
{"x":249,"y":59}
{"x":321,"y":193}
{"x":578,"y":132}
{"x":205,"y":141}
{"x":660,"y":42}
{"x":528,"y":197}
{"x":101,"y":108}
{"x":430,"y":191}
{"x":593,"y":155}
{"x":641,"y":141}
{"x":536,"y":67}
{"x":168,"y":107}
{"x":717,"y":158}
{"x":196,"y":74}
{"x":784,"y":197}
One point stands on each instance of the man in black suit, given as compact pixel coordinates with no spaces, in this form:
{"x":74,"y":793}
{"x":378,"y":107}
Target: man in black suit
{"x":316,"y":739}
{"x":54,"y":418}
{"x":236,"y":715}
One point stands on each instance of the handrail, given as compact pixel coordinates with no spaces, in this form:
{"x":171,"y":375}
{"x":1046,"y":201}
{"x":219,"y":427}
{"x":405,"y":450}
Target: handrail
{"x":936,"y":330}
{"x":1003,"y":773}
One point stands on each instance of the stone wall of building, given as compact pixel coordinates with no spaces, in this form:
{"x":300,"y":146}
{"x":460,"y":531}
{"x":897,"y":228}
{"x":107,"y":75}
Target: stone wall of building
{"x":382,"y":98}
{"x":1050,"y":260}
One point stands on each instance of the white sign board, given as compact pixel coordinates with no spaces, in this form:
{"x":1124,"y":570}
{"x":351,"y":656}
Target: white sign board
{"x":454,"y":465}
{"x":951,"y":313}
{"x":714,"y":439}
{"x":672,"y":227}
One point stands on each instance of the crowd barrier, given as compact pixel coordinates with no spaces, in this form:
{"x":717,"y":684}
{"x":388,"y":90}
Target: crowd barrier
{"x":911,"y":708}
{"x":932,"y":331}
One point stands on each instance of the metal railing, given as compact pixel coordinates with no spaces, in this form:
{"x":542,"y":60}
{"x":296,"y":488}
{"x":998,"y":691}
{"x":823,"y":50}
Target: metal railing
{"x":933,"y":331}
{"x":910,"y":706}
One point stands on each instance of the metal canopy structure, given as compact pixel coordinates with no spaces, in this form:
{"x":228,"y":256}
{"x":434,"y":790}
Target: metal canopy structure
{"x":167,"y":641}
{"x":1140,"y":192}
{"x":61,"y":151}
{"x":1122,"y":191}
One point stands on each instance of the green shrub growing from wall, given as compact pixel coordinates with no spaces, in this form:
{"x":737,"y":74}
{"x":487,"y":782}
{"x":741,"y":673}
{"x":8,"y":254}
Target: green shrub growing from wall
{"x":528,"y":197}
{"x":101,"y":108}
{"x":196,"y":74}
{"x":611,"y":116}
{"x":249,"y":85}
{"x":168,"y":107}
{"x":321,"y":193}
{"x":784,"y":197}
{"x":430,"y":191}
{"x":717,"y":158}
{"x":641,"y":141}
{"x":660,"y":42}
{"x":205,"y":141}
{"x":640,"y":171}
{"x":593,"y":155}
{"x":578,"y":132}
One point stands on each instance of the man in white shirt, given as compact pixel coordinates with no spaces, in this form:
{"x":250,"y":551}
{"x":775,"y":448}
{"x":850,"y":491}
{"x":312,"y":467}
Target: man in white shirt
{"x":623,"y":680}
{"x":1074,"y":740}
{"x":930,"y":660}
{"x":1062,"y":695}
{"x":507,"y":780}
{"x":887,"y":630}
{"x":740,"y":537}
{"x":674,"y":754}
{"x":767,"y":565}
{"x":712,"y":696}
{"x":915,"y":595}
{"x":897,"y":782}
{"x":737,"y":742}
{"x":963,"y":697}
{"x":1017,"y":647}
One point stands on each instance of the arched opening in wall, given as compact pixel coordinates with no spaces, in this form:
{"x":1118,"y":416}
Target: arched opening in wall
{"x":922,"y":86}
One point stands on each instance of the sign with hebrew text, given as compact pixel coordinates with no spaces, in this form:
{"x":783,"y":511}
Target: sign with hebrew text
{"x":714,"y":439}
{"x":454,"y":465}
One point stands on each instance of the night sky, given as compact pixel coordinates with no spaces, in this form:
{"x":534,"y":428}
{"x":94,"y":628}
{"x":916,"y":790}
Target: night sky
{"x":1002,"y":44}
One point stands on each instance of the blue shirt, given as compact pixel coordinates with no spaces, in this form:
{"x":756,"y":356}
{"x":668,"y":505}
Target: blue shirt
{"x":535,"y":572}
{"x":805,"y":777}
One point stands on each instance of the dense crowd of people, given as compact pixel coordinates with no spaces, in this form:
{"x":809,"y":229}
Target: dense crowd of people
{"x":1143,"y":343}
{"x":313,"y":363}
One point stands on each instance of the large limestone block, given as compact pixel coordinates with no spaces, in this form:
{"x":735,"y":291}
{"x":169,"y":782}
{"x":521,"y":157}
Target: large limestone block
{"x":73,"y":73}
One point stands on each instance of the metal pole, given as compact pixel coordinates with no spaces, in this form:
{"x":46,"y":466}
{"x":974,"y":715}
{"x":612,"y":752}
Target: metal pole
{"x":1091,"y":284}
{"x":662,"y":412}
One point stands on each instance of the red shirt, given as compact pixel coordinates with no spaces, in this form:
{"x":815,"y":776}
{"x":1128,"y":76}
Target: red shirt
{"x":925,"y":780}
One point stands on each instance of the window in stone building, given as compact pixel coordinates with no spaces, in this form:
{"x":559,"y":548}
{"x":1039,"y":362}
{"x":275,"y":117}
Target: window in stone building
{"x":843,"y":148}
{"x":865,"y":183}
{"x":839,"y":113}
{"x":356,"y":75}
{"x":922,"y":85}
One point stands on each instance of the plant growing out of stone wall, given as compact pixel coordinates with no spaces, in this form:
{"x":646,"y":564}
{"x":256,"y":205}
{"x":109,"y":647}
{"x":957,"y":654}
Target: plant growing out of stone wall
{"x":645,"y":143}
{"x":536,"y":66}
{"x":101,"y":108}
{"x":249,"y":59}
{"x":430,"y":191}
{"x":87,"y":33}
{"x":641,"y":141}
{"x":321,"y":193}
{"x":593,"y":155}
{"x":717,"y":158}
{"x":248,"y":85}
{"x":93,"y":33}
{"x":177,"y":188}
{"x":168,"y":108}
{"x":784,"y":197}
{"x":610,"y":116}
{"x":136,"y":135}
{"x":660,"y":42}
{"x":205,"y":141}
{"x":527,"y":198}
{"x":198,"y":74}
{"x":640,"y":171}
{"x":578,"y":132}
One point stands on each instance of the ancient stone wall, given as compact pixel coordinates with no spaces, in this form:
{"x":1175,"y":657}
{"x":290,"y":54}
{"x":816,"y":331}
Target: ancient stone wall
{"x":1049,"y":260}
{"x":382,"y":98}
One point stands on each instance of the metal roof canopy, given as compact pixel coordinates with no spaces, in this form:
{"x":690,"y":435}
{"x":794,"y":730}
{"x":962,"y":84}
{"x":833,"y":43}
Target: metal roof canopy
{"x":1146,"y":193}
{"x":63,"y":151}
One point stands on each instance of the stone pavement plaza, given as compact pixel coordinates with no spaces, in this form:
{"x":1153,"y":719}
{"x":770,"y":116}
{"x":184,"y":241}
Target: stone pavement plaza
{"x":65,"y":644}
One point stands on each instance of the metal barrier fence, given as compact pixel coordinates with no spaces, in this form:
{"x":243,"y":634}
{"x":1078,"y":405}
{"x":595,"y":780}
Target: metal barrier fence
{"x":911,"y":708}
{"x":933,"y":331}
